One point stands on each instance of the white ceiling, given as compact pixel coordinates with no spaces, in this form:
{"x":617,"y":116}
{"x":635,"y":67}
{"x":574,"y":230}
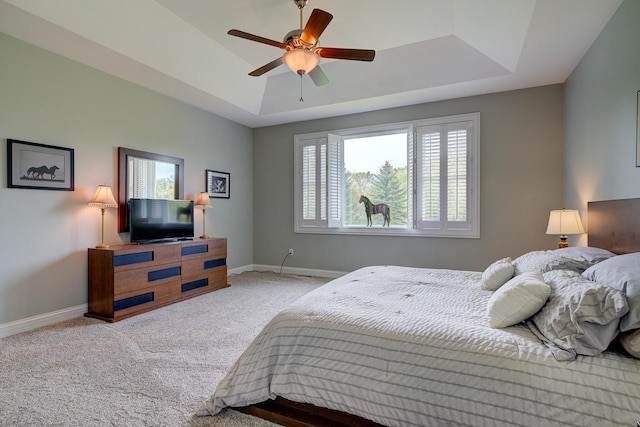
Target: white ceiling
{"x":427,"y":50}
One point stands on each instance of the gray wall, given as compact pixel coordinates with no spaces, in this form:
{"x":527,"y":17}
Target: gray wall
{"x":600,"y":115}
{"x":48,"y":99}
{"x":521,"y":180}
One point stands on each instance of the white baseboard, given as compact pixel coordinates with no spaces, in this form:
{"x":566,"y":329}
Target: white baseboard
{"x":46,"y":319}
{"x":34,"y":322}
{"x":239,"y":270}
{"x":301,"y":271}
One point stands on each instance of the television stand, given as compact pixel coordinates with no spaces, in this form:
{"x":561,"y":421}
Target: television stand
{"x":126,"y":280}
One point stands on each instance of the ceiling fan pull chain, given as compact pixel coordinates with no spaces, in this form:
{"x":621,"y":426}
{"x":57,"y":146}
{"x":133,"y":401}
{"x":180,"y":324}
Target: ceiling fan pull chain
{"x":301,"y":99}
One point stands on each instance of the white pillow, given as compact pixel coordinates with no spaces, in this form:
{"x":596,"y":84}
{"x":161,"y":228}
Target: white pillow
{"x":631,"y":342}
{"x":621,"y":272}
{"x":518,"y":299}
{"x":497,"y":274}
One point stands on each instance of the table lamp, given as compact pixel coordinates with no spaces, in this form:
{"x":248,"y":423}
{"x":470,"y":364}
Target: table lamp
{"x":204,"y":203}
{"x":103,"y":199}
{"x":563,"y":222}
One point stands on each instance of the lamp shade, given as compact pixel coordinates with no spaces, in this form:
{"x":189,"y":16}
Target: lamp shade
{"x":103,"y":198}
{"x":203,"y":201}
{"x":564,"y":221}
{"x":301,"y":61}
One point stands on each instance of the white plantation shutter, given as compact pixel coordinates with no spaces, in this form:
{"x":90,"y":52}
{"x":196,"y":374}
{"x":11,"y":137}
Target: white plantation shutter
{"x":457,"y":174}
{"x":311,"y":181}
{"x":143,"y":178}
{"x":429,"y":185}
{"x":322,"y":166}
{"x":411,"y":180}
{"x":443,"y":177}
{"x":335,"y":179}
{"x":309,"y":161}
{"x":447,"y":154}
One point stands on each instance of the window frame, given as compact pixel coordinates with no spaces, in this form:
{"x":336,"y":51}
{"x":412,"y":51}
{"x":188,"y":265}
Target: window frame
{"x":414,"y":228}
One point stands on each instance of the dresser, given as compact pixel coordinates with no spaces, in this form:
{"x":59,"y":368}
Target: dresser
{"x":126,"y":280}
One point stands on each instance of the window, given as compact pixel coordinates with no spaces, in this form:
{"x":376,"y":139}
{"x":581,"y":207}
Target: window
{"x":426,"y":172}
{"x":151,"y":178}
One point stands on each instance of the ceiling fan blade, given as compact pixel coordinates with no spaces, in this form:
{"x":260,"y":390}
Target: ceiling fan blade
{"x":350,"y":54}
{"x":318,"y":76}
{"x":316,"y":24}
{"x":255,"y":38}
{"x":268,"y":67}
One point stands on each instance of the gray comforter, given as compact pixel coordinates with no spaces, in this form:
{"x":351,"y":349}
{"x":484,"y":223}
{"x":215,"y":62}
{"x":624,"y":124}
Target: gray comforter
{"x":413,"y":347}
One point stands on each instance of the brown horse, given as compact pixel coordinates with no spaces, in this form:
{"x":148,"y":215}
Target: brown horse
{"x":371,"y":209}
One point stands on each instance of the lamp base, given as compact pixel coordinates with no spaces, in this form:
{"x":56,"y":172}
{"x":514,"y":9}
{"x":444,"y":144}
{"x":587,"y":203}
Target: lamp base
{"x":204,"y":236}
{"x":563,"y":242}
{"x":102,"y":245}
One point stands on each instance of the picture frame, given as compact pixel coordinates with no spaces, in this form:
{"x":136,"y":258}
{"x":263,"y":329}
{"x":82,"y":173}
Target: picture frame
{"x":218,"y":184}
{"x":39,"y":167}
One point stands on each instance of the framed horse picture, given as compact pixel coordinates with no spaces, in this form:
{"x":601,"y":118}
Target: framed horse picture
{"x":218,"y":184}
{"x":39,"y":166}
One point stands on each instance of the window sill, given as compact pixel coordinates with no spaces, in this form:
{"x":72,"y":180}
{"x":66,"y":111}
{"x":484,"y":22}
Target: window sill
{"x":390,"y":231}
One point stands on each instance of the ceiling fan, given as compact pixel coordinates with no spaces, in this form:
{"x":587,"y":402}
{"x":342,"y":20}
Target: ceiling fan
{"x":303,"y":54}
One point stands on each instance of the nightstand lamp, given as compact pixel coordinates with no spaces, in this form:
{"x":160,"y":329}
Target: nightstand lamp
{"x":204,"y":203}
{"x":103,"y":199}
{"x":563,"y":222}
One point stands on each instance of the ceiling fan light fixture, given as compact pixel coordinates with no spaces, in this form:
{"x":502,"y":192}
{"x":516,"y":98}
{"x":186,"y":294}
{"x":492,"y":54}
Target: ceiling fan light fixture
{"x":301,"y":61}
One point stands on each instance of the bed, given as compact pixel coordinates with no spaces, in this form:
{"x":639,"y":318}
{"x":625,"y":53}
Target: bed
{"x":401,"y":346}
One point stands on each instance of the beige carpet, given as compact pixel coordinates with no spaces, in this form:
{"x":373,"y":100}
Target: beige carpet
{"x":154,"y":369}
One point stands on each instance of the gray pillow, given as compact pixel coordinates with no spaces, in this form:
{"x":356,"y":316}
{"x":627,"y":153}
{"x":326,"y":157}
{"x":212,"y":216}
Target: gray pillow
{"x":580,"y":317}
{"x":621,"y":272}
{"x":587,"y":254}
{"x":544,"y":261}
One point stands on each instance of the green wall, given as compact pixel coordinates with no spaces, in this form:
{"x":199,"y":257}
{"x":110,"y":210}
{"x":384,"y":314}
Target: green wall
{"x":48,"y":99}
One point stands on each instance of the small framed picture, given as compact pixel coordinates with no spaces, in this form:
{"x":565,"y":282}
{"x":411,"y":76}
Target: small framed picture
{"x":217,"y":184}
{"x":39,"y":166}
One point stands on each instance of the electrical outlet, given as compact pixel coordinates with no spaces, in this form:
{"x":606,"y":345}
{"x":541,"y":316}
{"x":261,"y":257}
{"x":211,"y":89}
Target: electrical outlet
{"x":291,"y":251}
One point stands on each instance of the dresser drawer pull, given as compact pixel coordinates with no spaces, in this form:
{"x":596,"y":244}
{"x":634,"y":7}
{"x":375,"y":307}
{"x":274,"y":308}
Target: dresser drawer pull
{"x":193,"y":250}
{"x":132,"y":301}
{"x":163,"y":274}
{"x":186,"y":287}
{"x":215,"y":263}
{"x":128,"y":259}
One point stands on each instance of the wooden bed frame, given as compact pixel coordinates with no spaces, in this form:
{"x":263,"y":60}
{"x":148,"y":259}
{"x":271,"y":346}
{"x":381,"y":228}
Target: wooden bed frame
{"x":294,"y":414}
{"x":613,"y":225}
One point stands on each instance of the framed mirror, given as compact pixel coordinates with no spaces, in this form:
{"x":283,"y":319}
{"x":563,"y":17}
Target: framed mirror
{"x":148,"y":176}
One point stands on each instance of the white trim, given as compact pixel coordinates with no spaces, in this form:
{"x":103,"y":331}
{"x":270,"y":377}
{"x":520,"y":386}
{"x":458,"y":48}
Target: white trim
{"x":386,"y":231}
{"x":331,"y":274}
{"x":238,"y":270}
{"x":46,"y":319}
{"x":444,"y":229}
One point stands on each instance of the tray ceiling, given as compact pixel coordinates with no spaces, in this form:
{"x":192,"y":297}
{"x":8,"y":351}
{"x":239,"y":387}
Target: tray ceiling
{"x":427,"y":50}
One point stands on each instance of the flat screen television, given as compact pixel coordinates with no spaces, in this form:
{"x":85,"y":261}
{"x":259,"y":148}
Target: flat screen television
{"x":153,"y":220}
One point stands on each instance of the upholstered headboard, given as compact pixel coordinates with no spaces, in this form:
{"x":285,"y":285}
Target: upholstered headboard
{"x":615,"y":225}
